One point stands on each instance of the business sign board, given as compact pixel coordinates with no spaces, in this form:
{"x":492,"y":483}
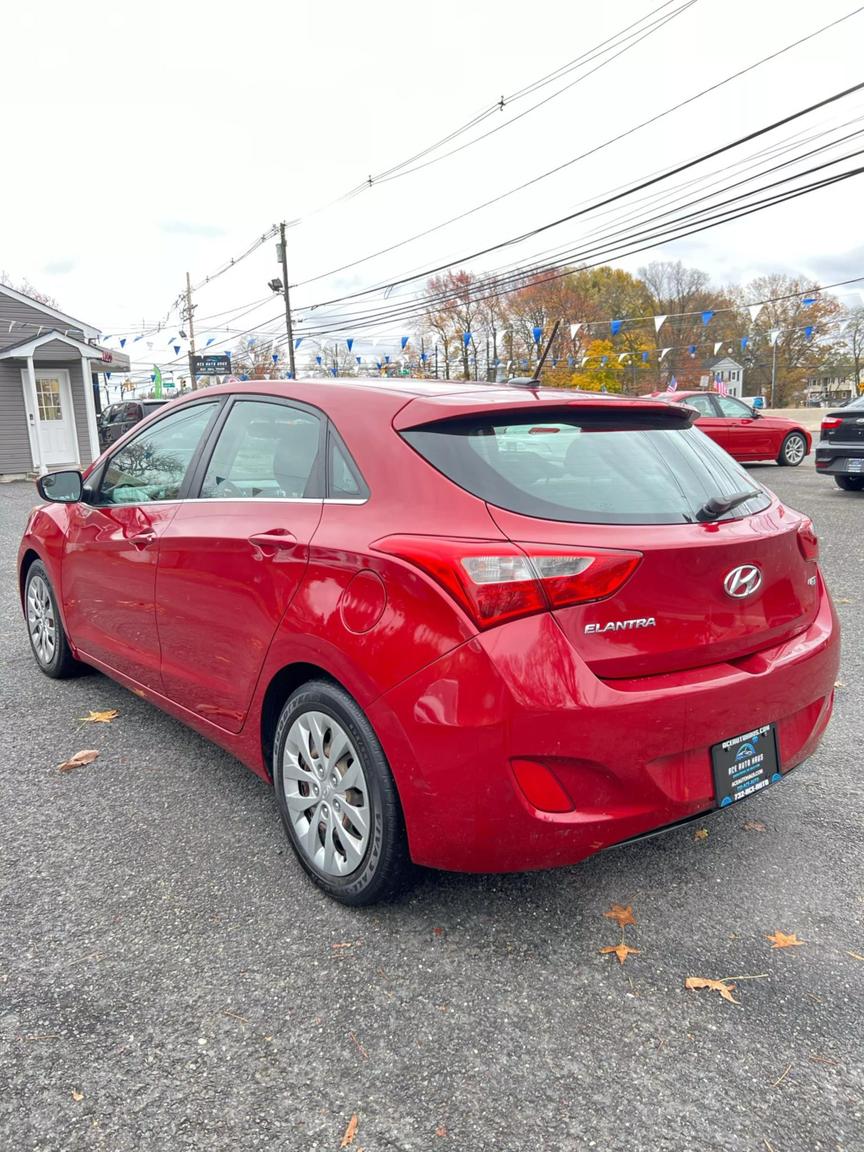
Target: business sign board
{"x":211,"y":365}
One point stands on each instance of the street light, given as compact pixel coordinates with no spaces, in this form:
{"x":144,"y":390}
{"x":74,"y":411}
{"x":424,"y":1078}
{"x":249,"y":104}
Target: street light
{"x":275,"y":285}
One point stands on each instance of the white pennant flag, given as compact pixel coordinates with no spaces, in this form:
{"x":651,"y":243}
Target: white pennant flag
{"x":622,"y":356}
{"x":658,"y":323}
{"x":774,"y":334}
{"x":374,"y":341}
{"x":574,"y":328}
{"x":663,"y":351}
{"x":717,"y":346}
{"x":754,"y":310}
{"x":582,"y":361}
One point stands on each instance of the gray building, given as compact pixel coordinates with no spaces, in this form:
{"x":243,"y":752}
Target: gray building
{"x":48,"y":406}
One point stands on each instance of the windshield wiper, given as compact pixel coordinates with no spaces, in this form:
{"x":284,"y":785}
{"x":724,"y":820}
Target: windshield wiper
{"x":720,"y":505}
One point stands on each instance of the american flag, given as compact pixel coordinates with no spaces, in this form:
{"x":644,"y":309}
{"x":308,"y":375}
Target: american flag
{"x":672,"y":386}
{"x":721,"y":384}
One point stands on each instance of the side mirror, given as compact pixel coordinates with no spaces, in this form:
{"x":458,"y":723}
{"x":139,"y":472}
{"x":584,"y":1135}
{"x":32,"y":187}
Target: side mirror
{"x":61,"y":487}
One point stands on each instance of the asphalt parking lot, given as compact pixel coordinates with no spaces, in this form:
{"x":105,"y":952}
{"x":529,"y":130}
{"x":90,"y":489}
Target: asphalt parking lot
{"x":168,"y":979}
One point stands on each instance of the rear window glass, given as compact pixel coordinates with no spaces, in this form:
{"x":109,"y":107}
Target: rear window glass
{"x":587,"y":470}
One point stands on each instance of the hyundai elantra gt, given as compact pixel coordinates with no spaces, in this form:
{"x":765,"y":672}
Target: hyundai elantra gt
{"x":477,"y":628}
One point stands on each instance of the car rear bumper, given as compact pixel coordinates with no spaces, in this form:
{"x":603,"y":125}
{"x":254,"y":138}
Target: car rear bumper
{"x":837,"y":459}
{"x":634,"y":756}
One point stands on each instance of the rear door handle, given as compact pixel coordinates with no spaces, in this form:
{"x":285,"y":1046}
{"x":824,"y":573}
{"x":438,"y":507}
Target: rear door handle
{"x":143,"y":539}
{"x":277,"y":538}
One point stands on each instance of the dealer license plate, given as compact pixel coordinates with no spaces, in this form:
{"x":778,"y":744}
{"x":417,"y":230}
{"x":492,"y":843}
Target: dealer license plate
{"x":745,"y":764}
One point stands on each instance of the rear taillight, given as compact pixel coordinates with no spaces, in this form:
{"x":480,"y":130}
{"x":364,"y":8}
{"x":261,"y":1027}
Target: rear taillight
{"x":830,"y":423}
{"x":808,"y":541}
{"x":496,"y":580}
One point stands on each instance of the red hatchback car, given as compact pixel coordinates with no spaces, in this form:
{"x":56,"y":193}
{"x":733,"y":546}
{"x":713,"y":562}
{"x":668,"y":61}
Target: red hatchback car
{"x":743,"y":431}
{"x":481,"y":629}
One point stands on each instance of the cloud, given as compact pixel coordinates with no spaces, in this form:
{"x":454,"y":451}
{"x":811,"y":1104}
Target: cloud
{"x":60,"y":267}
{"x":186,"y":228}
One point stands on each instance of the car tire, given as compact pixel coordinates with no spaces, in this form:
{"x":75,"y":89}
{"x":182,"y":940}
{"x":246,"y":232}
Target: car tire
{"x":350,"y":839}
{"x":48,"y":639}
{"x":792,"y":450}
{"x":850,"y":483}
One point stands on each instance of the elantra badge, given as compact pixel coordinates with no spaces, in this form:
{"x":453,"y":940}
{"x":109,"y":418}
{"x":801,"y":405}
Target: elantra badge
{"x":621,"y":625}
{"x":743,"y":581}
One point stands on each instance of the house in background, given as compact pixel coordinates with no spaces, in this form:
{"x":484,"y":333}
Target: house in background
{"x":729,"y":371}
{"x":828,"y":391}
{"x":48,"y":405}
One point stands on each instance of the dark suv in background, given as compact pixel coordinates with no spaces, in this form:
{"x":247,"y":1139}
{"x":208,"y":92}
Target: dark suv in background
{"x":840,"y":451}
{"x":119,"y":418}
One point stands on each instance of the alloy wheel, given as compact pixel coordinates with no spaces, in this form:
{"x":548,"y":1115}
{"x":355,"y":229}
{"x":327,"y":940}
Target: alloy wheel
{"x":40,"y":620}
{"x":794,"y":449}
{"x":326,"y":793}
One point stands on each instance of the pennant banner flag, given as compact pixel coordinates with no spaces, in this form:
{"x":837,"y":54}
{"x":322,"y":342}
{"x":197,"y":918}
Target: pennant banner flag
{"x":808,"y":300}
{"x":604,"y":360}
{"x":122,"y":341}
{"x":745,"y":340}
{"x":359,"y":359}
{"x":706,"y":318}
{"x":152,"y":377}
{"x":623,"y":356}
{"x":571,"y":361}
{"x":663,"y":351}
{"x":423,"y":357}
{"x":404,"y":341}
{"x":176,"y":349}
{"x":350,"y":342}
{"x":210,"y":341}
{"x":775,"y":332}
{"x":275,"y":358}
{"x":754,"y":310}
{"x":386,"y":359}
{"x":574,"y":328}
{"x":297,"y":343}
{"x":317,"y":359}
{"x":137,"y":338}
{"x":808,"y":332}
{"x":718,"y":344}
{"x":583,"y":360}
{"x":692,"y":349}
{"x":644,"y":357}
{"x":466,"y":338}
{"x":615,"y":326}
{"x":537,"y":332}
{"x":658,"y":322}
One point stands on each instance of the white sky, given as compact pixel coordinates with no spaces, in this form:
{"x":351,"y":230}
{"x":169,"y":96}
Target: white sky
{"x":142,"y":140}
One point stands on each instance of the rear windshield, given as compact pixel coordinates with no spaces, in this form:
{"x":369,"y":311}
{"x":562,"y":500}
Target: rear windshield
{"x":587,"y":469}
{"x":149,"y":406}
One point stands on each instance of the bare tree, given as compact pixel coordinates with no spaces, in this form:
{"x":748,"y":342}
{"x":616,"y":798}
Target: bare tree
{"x":27,"y":289}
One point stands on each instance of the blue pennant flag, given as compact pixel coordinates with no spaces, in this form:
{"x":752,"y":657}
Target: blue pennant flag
{"x":350,"y":342}
{"x":244,"y":375}
{"x":359,"y":359}
{"x":122,"y":341}
{"x":604,"y":360}
{"x":808,"y":332}
{"x":404,"y":342}
{"x":317,"y":359}
{"x":335,"y":371}
{"x":152,"y":377}
{"x":137,"y":338}
{"x":571,"y":361}
{"x":107,"y":375}
{"x":645,"y":356}
{"x":378,"y":365}
{"x":537,"y":333}
{"x":554,"y":361}
{"x":176,"y":349}
{"x":297,"y":343}
{"x":745,"y":340}
{"x":808,"y":300}
{"x":275,"y":358}
{"x":423,"y":357}
{"x":615,"y":325}
{"x":692,"y":349}
{"x":210,"y":341}
{"x":706,"y":317}
{"x":466,"y":338}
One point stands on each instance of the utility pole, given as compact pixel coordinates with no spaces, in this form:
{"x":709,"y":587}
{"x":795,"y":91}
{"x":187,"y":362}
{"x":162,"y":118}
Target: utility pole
{"x":190,"y":308}
{"x":773,"y":370}
{"x":283,"y":255}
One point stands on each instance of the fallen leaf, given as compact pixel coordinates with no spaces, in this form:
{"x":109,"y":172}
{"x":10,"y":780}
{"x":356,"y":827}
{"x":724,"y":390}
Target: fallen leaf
{"x":77,"y":1096}
{"x":755,"y":826}
{"x":721,"y":986}
{"x":438,"y":931}
{"x":350,"y":1132}
{"x":700,"y":834}
{"x":622,"y":951}
{"x":100,"y":717}
{"x":781,"y":940}
{"x":842,"y":600}
{"x":86,"y":756}
{"x":839,"y":684}
{"x":621,"y":915}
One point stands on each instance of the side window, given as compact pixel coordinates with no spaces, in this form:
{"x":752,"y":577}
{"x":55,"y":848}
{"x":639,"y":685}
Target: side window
{"x":344,"y":481}
{"x":265,"y":451}
{"x":702,"y":404}
{"x":153,"y":465}
{"x":734,"y":408}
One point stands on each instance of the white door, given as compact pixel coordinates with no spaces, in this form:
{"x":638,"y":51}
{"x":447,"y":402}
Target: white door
{"x":57,"y":433}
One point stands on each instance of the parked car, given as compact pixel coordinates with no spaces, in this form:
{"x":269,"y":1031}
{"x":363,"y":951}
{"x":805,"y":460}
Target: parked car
{"x":116,"y":420}
{"x":440,"y":645}
{"x":743,"y":431}
{"x":840,"y":451}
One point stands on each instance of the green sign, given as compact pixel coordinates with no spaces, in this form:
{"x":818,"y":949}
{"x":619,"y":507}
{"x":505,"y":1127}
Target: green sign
{"x":157,"y":382}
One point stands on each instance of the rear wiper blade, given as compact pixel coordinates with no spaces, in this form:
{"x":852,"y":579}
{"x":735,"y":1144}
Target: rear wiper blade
{"x":720,"y":505}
